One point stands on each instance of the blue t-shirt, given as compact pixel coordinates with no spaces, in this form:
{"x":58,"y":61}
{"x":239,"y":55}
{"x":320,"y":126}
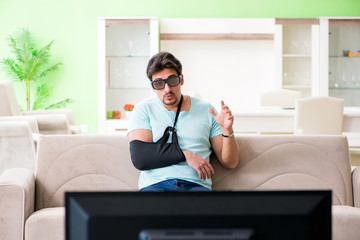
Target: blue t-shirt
{"x":194,"y":130}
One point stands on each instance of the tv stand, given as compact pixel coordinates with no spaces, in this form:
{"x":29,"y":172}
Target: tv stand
{"x":196,"y":234}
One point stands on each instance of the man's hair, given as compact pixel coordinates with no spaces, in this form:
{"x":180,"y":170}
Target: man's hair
{"x":161,"y":61}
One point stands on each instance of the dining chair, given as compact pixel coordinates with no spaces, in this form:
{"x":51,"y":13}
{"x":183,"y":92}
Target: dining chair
{"x":319,"y":115}
{"x":279,"y":98}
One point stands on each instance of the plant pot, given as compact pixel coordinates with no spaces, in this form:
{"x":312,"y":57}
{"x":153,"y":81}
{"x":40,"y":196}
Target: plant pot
{"x":128,"y":114}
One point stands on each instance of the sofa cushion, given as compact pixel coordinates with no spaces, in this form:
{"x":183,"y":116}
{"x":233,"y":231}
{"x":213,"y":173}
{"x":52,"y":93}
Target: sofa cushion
{"x":345,"y":222}
{"x":82,"y":163}
{"x":48,"y":223}
{"x":289,"y":163}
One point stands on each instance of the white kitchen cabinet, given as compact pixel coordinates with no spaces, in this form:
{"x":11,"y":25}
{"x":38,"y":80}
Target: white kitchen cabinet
{"x":125,"y":46}
{"x":228,"y":59}
{"x":297,"y":55}
{"x":340,"y":59}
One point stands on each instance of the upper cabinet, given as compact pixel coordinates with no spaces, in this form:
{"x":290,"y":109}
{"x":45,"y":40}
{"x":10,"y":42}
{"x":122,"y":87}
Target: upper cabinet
{"x":125,"y":46}
{"x":340,"y":59}
{"x":230,"y":59}
{"x":297,"y":55}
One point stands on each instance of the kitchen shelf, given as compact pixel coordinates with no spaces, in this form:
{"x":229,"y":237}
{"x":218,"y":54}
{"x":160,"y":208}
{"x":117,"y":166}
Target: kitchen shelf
{"x":348,"y":89}
{"x":127,"y":89}
{"x":297,"y":21}
{"x":127,"y":57}
{"x":342,"y":57}
{"x":297,"y":86}
{"x":216,"y":36}
{"x":297,"y":55}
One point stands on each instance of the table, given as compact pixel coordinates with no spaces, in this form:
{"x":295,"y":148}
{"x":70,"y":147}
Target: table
{"x":278,"y":120}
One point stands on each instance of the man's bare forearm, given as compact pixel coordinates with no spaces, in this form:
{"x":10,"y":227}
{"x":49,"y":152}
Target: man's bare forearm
{"x":230,"y":149}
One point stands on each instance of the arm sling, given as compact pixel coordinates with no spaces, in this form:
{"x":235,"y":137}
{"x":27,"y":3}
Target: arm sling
{"x":150,"y":155}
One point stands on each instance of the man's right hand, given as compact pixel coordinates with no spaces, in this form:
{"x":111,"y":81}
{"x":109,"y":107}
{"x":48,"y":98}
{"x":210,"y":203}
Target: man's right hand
{"x":203,"y":168}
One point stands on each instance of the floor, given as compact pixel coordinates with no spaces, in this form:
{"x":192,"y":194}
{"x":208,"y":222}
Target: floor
{"x":355,"y":156}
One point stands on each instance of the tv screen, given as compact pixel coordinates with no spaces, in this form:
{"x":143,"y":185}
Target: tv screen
{"x":198,"y":215}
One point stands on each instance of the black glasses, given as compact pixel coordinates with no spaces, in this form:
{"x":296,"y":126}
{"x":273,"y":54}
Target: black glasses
{"x":172,"y":81}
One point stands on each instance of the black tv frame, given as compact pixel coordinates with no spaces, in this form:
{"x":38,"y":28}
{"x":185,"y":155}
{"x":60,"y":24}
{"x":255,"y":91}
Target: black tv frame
{"x":269,"y":214}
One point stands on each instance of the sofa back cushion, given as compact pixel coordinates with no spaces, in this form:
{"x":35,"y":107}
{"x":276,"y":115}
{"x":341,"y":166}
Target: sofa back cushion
{"x":82,"y":163}
{"x":282,"y":162}
{"x":288,"y":162}
{"x":9,"y":105}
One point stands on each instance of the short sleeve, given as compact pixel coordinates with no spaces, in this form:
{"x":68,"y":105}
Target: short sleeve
{"x":139,"y":118}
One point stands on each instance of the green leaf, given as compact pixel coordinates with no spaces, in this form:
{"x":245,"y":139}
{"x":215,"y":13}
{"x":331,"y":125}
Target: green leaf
{"x":50,"y":69}
{"x":44,"y":53}
{"x":61,"y":104}
{"x":13,"y":68}
{"x":42,"y":93}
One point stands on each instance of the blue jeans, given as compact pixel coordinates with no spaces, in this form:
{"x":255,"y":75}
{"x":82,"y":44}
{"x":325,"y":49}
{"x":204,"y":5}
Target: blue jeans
{"x":173,"y":185}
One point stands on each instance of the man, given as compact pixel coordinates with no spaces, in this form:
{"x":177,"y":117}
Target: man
{"x":199,"y":130}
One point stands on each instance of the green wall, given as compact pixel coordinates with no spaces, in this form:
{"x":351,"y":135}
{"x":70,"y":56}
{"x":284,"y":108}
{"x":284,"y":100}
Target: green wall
{"x":73,"y":26}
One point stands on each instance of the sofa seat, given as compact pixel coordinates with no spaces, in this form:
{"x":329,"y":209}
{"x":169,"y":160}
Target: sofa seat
{"x":345,"y":222}
{"x":47,"y":223}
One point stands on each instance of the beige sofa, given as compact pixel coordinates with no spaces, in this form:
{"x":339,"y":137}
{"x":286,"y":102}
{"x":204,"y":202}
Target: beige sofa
{"x":93,"y":162}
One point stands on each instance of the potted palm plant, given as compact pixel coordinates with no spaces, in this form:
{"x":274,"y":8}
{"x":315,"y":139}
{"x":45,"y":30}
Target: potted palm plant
{"x":30,"y":66}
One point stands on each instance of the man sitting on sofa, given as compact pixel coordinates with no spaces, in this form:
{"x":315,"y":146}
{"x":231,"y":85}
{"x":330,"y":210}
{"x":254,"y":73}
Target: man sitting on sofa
{"x":192,"y":123}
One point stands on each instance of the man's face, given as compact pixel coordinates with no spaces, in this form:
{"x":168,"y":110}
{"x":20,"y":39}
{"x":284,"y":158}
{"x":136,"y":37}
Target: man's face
{"x":168,"y":95}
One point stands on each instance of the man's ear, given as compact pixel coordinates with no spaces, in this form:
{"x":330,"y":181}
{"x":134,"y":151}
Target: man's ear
{"x":182,"y":80}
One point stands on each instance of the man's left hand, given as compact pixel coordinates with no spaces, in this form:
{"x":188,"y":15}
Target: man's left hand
{"x":225,"y":118}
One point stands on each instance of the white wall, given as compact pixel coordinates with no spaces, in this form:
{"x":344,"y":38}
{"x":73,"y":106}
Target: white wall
{"x":230,"y":70}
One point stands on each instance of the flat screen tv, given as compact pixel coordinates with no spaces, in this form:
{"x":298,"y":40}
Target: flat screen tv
{"x":236,"y":215}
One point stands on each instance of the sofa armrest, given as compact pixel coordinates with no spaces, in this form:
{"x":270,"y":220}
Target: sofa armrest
{"x":68,"y":112}
{"x":31,"y":120}
{"x":52,"y":123}
{"x":17,"y":147}
{"x":356,"y":186}
{"x":74,"y":129}
{"x":17,"y":191}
